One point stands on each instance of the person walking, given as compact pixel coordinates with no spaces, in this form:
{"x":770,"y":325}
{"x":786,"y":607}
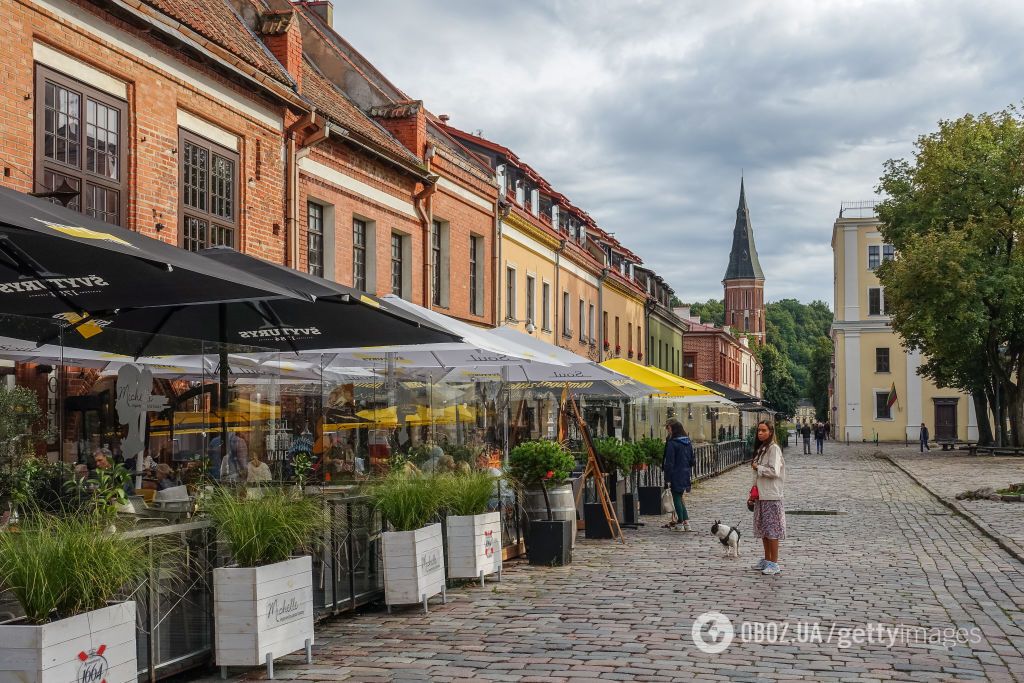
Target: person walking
{"x":678,"y":467}
{"x":805,"y":432}
{"x":923,"y":435}
{"x":769,"y":511}
{"x":819,"y":437}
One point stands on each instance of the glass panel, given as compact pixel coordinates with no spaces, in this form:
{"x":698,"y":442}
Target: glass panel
{"x":194,"y":233}
{"x":61,"y":120}
{"x":396,"y":264}
{"x":52,"y":181}
{"x":222,"y":187}
{"x":358,"y":254}
{"x":103,"y":203}
{"x":222,"y":236}
{"x":435,"y":253}
{"x":196,"y":160}
{"x":102,"y":124}
{"x":315,"y":247}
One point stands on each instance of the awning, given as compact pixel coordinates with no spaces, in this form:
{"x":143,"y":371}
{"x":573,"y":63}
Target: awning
{"x":664,"y":382}
{"x":57,"y":261}
{"x":733,"y":395}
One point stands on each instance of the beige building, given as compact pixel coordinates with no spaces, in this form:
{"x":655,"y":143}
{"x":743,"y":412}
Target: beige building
{"x":876,"y":391}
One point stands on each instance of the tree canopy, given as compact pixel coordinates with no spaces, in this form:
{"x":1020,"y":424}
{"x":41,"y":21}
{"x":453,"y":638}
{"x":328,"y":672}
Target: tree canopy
{"x":955,"y":215}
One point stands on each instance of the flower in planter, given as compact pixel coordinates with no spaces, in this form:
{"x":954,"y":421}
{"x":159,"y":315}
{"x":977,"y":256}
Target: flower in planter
{"x":640,"y":356}
{"x":618,"y":349}
{"x":630,"y":354}
{"x":541,"y":463}
{"x":550,"y":474}
{"x":607,"y":345}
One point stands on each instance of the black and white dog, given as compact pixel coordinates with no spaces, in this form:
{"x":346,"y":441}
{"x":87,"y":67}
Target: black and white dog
{"x":729,"y":536}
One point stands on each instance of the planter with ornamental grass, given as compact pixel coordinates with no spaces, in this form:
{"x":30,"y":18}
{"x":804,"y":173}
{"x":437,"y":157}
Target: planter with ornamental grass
{"x":473,"y":532}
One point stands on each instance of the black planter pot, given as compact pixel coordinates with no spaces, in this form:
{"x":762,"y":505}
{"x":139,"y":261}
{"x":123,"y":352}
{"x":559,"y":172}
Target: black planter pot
{"x":630,"y":510}
{"x":650,"y":500}
{"x":595,"y":521}
{"x":550,"y":542}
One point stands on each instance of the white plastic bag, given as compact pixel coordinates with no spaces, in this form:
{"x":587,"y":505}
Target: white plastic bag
{"x":667,"y":506}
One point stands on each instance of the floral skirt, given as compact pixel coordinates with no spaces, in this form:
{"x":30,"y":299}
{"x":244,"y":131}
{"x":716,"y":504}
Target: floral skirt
{"x":770,"y":519}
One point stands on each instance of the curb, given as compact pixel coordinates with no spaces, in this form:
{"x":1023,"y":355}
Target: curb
{"x":1003,"y":542}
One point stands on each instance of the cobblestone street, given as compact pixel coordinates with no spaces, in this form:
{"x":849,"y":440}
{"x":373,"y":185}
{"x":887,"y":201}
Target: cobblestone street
{"x":893,"y":555}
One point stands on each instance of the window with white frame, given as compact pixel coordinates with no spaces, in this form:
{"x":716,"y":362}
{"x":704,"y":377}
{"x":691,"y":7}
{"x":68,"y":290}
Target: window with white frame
{"x":874,"y":256}
{"x":476,"y":277}
{"x":545,"y":305}
{"x":566,"y":322}
{"x":531,"y":293}
{"x":888,"y":252}
{"x":590,"y":324}
{"x":876,"y":301}
{"x":883,"y":411}
{"x":510,"y":293}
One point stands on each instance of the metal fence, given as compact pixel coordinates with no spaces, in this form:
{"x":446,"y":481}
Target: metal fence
{"x":713,"y":459}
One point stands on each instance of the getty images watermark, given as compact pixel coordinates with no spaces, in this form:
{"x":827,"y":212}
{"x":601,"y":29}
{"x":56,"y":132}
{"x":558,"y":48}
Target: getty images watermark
{"x":713,"y":632}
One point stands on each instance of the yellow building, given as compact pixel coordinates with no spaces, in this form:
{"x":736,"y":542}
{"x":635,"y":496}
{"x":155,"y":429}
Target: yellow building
{"x":876,"y":391}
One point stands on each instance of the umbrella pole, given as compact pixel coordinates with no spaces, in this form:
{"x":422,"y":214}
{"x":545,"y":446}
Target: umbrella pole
{"x":223,"y":393}
{"x":508,"y":405}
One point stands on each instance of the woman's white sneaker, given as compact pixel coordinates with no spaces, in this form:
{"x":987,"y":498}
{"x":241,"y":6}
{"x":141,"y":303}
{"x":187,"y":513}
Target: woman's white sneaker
{"x":771,"y":568}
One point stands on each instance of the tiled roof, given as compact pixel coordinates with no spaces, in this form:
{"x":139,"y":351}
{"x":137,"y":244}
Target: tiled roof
{"x":336,"y":106}
{"x":217,"y":21}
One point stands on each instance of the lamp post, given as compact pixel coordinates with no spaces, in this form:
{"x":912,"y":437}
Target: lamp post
{"x":999,"y":422}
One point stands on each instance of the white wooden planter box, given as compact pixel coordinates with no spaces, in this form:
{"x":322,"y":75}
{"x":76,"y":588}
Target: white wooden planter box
{"x":474,"y":545}
{"x":88,"y":648}
{"x":262,"y":613}
{"x":413,"y":566}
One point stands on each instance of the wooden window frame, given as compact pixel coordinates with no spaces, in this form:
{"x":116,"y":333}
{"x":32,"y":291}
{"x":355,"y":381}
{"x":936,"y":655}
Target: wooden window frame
{"x":41,"y":164}
{"x":310,"y":233}
{"x":184,"y":210}
{"x":359,"y":279}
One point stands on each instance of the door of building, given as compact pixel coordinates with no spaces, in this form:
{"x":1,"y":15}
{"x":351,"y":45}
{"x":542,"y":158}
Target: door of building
{"x":945,"y":419}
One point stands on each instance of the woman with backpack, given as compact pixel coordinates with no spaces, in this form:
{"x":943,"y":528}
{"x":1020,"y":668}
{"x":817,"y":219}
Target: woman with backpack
{"x":678,"y":466}
{"x":769,"y":511}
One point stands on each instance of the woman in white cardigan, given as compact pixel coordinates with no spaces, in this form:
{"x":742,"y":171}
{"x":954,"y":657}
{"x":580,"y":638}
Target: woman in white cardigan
{"x":769,"y":511}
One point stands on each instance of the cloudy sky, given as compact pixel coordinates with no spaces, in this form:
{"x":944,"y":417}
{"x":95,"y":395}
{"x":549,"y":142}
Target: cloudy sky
{"x":645,"y":113}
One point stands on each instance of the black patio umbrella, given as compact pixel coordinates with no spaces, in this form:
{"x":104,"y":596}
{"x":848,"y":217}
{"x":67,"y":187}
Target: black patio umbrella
{"x":54,"y":260}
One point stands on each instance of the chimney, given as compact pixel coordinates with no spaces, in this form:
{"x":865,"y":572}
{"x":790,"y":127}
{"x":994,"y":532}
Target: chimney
{"x":281,"y":34}
{"x":444,"y":118}
{"x":407,"y":121}
{"x":323,"y":9}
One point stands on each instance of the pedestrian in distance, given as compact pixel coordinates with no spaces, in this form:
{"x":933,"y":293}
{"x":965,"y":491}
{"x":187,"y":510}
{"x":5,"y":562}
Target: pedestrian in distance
{"x":828,"y":430}
{"x":924,"y":438}
{"x":769,"y":511}
{"x":805,"y":432}
{"x":819,"y":437}
{"x":678,"y":468}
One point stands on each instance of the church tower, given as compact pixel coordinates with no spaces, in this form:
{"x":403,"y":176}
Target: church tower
{"x":744,"y":280}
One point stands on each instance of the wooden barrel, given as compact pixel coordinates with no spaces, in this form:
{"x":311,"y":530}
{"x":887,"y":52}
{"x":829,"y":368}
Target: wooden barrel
{"x":563,"y":505}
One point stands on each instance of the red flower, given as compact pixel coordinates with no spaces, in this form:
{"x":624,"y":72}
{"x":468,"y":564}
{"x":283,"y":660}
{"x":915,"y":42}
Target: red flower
{"x":640,"y":356}
{"x":607,"y":345}
{"x":618,"y":348}
{"x":550,"y":474}
{"x":630,"y":353}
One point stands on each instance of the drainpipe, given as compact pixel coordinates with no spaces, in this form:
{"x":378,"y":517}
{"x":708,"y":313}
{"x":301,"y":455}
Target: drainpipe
{"x":600,"y":314}
{"x":648,"y":309}
{"x":558,"y":290}
{"x":291,"y":186}
{"x":501,"y":211}
{"x":424,"y":204}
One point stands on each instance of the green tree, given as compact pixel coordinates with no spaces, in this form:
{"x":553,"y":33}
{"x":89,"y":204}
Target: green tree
{"x":956,"y":292}
{"x":711,"y":312}
{"x":780,"y":392}
{"x":819,"y":376}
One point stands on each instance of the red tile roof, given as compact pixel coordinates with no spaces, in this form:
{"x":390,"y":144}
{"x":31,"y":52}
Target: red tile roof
{"x":333,"y":103}
{"x":218,"y":22}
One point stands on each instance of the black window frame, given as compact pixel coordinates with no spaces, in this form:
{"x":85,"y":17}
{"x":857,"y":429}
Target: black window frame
{"x":359,"y":236}
{"x":888,"y":253}
{"x":876,"y":307}
{"x":78,"y":175}
{"x":315,"y":238}
{"x":215,"y":225}
{"x":881,"y":404}
{"x":435,"y":266}
{"x":397,"y":263}
{"x":531,"y":299}
{"x":474,"y":275}
{"x":882,"y":359}
{"x":510,"y":294}
{"x":874,"y":256}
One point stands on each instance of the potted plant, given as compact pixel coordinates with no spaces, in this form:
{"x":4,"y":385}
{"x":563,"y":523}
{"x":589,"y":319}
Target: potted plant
{"x":546,"y":465}
{"x":263,"y":603}
{"x":413,"y":550}
{"x":65,"y":573}
{"x":473,"y":532}
{"x":649,"y":493}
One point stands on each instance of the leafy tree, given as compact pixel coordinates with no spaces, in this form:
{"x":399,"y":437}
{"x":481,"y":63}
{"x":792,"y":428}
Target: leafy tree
{"x":780,"y":392}
{"x":819,"y":376}
{"x":956,"y":292}
{"x":711,"y":312}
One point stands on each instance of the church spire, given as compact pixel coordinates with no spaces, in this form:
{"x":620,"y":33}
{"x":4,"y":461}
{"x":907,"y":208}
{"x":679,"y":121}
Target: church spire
{"x":743,"y":263}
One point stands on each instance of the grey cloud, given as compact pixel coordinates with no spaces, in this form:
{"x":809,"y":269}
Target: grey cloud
{"x":645,"y":113}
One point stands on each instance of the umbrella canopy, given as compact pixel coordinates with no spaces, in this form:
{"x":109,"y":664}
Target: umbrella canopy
{"x":54,"y":260}
{"x":664,"y":382}
{"x":333,"y":317}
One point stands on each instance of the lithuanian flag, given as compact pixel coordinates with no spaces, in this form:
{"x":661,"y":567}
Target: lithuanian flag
{"x":893,"y":398}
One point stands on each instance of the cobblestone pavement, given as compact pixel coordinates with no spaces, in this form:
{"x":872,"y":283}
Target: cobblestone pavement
{"x":895,"y":556}
{"x":948,"y":475}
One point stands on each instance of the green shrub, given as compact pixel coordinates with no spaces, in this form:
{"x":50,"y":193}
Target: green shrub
{"x":540,"y":462}
{"x":466,"y":494}
{"x":653,"y":451}
{"x":407,"y":502}
{"x":58,"y":567}
{"x":269,"y":527}
{"x":615,"y":453}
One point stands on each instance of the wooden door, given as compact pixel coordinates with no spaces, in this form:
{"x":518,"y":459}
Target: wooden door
{"x":945,"y":421}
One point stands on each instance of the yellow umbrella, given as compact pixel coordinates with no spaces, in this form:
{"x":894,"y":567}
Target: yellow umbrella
{"x":664,"y":382}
